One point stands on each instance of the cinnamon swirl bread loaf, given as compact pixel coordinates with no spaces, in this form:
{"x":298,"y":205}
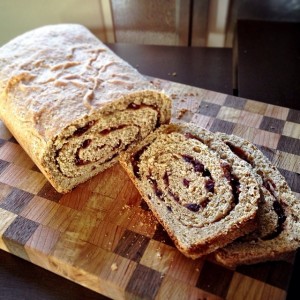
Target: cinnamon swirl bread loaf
{"x":203,"y":194}
{"x":72,"y":104}
{"x":278,"y":232}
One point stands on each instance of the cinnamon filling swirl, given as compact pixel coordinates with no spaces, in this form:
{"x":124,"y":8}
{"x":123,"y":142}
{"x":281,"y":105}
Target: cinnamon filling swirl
{"x":188,"y":177}
{"x":95,"y":144}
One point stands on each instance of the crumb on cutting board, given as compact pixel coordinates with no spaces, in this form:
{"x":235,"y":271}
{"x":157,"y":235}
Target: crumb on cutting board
{"x":114,"y":267}
{"x":181,"y":112}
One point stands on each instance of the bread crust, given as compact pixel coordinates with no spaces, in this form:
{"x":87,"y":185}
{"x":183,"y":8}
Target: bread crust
{"x":198,"y":220}
{"x":58,"y":81}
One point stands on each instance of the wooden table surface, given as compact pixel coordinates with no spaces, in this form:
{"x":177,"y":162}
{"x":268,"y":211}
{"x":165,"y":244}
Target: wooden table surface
{"x":19,"y":278}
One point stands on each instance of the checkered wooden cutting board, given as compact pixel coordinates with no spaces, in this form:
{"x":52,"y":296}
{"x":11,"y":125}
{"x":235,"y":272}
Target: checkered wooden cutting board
{"x":102,"y":234}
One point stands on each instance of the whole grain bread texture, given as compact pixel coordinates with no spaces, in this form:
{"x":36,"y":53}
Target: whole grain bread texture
{"x":72,"y":104}
{"x":203,"y":194}
{"x":278,"y":232}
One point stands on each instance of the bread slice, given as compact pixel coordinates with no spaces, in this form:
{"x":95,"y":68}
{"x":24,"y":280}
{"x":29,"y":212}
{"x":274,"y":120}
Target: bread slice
{"x":203,"y":195}
{"x":278,"y":232}
{"x":72,"y":104}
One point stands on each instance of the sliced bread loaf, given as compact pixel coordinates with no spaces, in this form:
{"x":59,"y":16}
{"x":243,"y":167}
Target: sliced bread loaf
{"x":278,"y":232}
{"x":72,"y":104}
{"x":203,"y":194}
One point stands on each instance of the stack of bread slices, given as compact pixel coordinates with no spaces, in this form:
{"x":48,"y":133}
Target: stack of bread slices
{"x":215,"y":194}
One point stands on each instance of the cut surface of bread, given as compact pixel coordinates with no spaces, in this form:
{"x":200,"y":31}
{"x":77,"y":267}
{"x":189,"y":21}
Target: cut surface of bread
{"x":278,"y":232}
{"x":203,"y":195}
{"x":72,"y":104}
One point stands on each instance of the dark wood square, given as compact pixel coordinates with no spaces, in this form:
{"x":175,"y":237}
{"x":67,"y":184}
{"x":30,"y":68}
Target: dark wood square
{"x":16,"y":200}
{"x":222,"y":126}
{"x":3,"y":165}
{"x":17,"y":234}
{"x":132,"y":245}
{"x":272,"y":124}
{"x":144,"y":283}
{"x":235,"y":102}
{"x":208,"y":109}
{"x":49,"y":192}
{"x":294,"y":116}
{"x":2,"y":142}
{"x":215,"y":279}
{"x":289,"y":144}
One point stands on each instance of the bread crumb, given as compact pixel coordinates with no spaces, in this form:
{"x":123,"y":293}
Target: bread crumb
{"x":158,"y":254}
{"x":181,"y":112}
{"x":126,"y":206}
{"x":114,"y":267}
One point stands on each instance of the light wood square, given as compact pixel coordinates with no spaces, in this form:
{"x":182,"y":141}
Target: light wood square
{"x":249,"y":288}
{"x":229,"y":114}
{"x":291,"y":129}
{"x":266,"y":138}
{"x":250,"y":119}
{"x":27,"y":180}
{"x":13,"y":152}
{"x":255,"y":107}
{"x":277,"y":112}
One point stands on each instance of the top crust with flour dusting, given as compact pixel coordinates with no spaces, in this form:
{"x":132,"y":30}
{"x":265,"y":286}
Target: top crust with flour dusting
{"x":203,"y":194}
{"x":72,"y":104}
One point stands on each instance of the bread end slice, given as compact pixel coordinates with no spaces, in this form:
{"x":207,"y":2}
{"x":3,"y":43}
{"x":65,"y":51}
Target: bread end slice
{"x":278,"y":233}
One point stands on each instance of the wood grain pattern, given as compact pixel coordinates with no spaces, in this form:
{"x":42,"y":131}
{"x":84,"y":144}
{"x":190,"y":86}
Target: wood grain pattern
{"x":103,"y":236}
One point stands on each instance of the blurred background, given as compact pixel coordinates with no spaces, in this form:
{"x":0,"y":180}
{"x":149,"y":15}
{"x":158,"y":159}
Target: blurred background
{"x":205,"y":23}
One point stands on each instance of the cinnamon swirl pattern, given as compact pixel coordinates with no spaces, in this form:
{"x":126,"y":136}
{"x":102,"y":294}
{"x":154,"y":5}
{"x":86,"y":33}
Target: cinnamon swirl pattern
{"x":72,"y":104}
{"x":203,"y":194}
{"x":278,"y":231}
